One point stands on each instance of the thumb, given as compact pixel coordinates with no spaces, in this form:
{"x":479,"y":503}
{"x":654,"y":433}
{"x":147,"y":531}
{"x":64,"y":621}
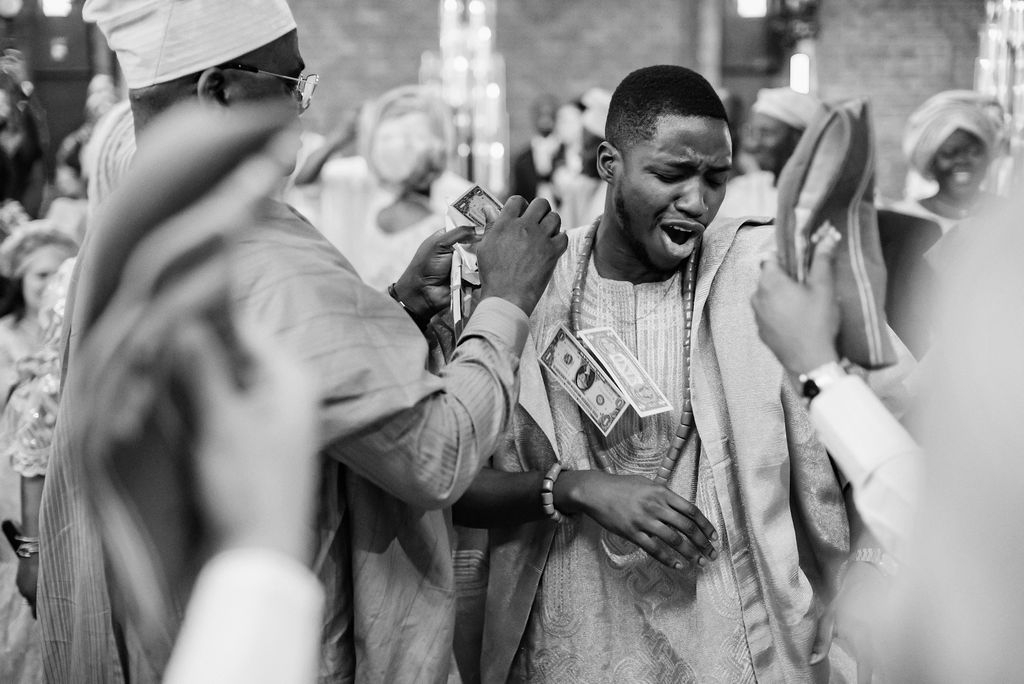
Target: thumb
{"x":822,"y":267}
{"x":490,"y":214}
{"x":823,"y":639}
{"x":456,"y":235}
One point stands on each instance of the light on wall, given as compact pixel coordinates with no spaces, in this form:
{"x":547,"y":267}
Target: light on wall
{"x":800,"y":72}
{"x":752,"y":9}
{"x":55,"y":8}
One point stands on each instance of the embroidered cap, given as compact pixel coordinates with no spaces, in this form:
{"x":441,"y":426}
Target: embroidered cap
{"x":160,"y":40}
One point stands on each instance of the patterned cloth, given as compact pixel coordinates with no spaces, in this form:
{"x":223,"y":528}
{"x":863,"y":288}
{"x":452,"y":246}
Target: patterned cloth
{"x":27,"y":423}
{"x":20,"y":658}
{"x":402,"y":445}
{"x":765,"y":482}
{"x":600,"y":594}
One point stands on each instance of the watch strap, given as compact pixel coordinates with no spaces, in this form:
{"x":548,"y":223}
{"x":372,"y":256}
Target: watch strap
{"x":814,"y":382}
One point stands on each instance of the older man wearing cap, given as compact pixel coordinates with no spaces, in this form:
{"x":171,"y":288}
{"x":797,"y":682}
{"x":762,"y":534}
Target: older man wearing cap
{"x":401,"y":443}
{"x":777,"y":120}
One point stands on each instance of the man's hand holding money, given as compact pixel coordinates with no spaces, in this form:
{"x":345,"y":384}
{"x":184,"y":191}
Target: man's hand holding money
{"x":423,"y":287}
{"x":519,"y":250}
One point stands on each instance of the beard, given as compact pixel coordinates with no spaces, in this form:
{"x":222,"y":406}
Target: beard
{"x":636,"y":246}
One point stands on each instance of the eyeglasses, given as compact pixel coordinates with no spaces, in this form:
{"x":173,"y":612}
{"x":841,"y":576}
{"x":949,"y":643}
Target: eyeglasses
{"x":304,"y":87}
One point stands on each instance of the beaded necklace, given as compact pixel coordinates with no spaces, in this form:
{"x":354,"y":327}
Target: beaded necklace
{"x":675,"y":451}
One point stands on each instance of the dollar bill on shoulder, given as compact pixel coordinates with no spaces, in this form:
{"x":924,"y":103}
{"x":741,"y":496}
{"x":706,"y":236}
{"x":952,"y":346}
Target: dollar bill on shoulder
{"x":582,"y":378}
{"x":625,"y":369}
{"x":471,"y":205}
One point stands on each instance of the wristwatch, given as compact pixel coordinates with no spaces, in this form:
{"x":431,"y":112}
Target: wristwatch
{"x":814,"y":382}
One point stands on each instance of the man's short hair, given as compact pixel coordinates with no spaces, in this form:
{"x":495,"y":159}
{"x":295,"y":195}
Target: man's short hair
{"x":649,"y":93}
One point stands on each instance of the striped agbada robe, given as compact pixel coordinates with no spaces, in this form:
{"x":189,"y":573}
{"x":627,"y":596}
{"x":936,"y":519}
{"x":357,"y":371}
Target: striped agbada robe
{"x":401,"y":445}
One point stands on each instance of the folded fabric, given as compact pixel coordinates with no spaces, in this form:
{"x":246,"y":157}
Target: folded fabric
{"x":829,"y":180}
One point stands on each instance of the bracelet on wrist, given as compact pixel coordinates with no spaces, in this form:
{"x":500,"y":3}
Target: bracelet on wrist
{"x":547,"y":493}
{"x":420,"y":321}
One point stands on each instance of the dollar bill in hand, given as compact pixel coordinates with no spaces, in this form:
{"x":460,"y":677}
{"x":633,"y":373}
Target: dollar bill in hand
{"x":581,"y":376}
{"x":625,"y":370}
{"x":470,"y":206}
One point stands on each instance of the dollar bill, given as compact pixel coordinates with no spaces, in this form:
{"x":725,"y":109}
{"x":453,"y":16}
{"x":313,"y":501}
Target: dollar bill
{"x":471,"y":206}
{"x":467,"y":209}
{"x":626,"y":371}
{"x":581,"y":376}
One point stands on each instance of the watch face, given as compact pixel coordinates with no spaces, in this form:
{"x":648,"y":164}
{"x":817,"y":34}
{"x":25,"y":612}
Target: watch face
{"x":810,"y":389}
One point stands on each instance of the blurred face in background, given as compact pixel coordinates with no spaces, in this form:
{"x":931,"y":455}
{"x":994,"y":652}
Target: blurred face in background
{"x":545,"y":112}
{"x":406,"y":151}
{"x":39,"y":269}
{"x":960,"y":165}
{"x":770,"y":141}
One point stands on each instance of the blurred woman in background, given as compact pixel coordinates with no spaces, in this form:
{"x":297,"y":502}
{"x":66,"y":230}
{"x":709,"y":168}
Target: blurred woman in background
{"x":378,"y":207}
{"x":29,"y":258}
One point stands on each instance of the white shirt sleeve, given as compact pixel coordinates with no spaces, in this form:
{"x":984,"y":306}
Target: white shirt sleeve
{"x":255,"y":616}
{"x":877,"y":455}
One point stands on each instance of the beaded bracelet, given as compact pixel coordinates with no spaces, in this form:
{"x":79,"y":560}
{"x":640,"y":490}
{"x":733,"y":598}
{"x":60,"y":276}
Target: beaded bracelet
{"x":547,"y":494}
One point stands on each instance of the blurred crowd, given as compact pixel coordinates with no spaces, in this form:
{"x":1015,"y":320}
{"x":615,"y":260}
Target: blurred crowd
{"x":240,"y":443}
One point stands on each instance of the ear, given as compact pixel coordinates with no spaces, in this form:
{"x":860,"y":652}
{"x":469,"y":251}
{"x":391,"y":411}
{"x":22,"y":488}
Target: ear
{"x":212,"y":87}
{"x":609,"y":161}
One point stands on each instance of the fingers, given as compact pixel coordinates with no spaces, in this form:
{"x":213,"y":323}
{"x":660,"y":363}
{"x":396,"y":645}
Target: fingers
{"x":514,"y":207}
{"x":684,"y":529}
{"x":692,"y":513}
{"x":560,"y":242}
{"x":656,"y":550}
{"x":551,"y":223}
{"x":490,"y":214}
{"x":537,"y":210}
{"x":824,"y":257}
{"x":460,"y":234}
{"x":689,"y":547}
{"x":823,"y":639}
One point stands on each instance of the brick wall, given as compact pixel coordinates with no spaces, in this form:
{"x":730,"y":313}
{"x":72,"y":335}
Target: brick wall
{"x":897,"y":52}
{"x":565,"y":47}
{"x":361,"y":48}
